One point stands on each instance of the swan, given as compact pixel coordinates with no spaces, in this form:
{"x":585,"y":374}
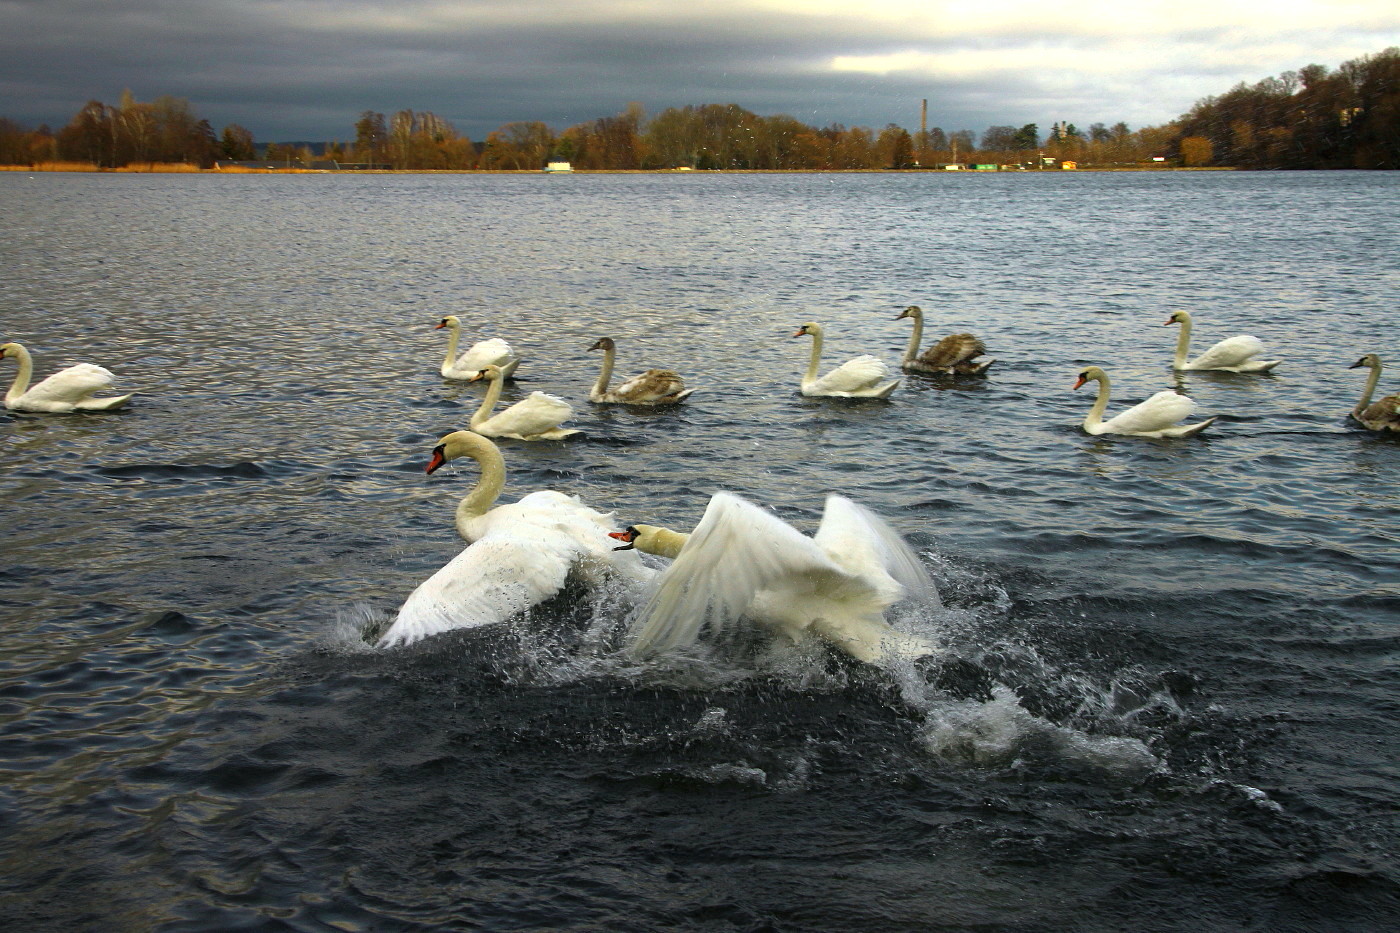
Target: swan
{"x":493,"y":352}
{"x":517,"y":555}
{"x":66,"y":390}
{"x":1156,"y":417}
{"x":653,"y":387}
{"x":743,"y":561}
{"x":534,"y":418}
{"x":1383,"y":415}
{"x":1231,"y":355}
{"x":955,"y":353}
{"x":859,"y":377}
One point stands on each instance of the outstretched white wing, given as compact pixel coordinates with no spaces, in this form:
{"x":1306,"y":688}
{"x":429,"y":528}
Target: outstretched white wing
{"x":488,"y":582}
{"x":737,"y":551}
{"x":867,"y":545}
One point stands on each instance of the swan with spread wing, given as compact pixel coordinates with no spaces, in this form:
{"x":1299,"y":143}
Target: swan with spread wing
{"x":743,"y":562}
{"x":517,"y":555}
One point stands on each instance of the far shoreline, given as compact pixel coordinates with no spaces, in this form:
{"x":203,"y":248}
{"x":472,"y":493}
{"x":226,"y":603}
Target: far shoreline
{"x":185,"y":169}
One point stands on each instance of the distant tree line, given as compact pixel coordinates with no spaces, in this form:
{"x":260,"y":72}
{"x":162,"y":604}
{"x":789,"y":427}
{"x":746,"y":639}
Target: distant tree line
{"x":1311,"y":118}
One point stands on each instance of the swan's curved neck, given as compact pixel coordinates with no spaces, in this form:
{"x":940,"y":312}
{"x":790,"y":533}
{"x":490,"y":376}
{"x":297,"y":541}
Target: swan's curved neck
{"x":488,"y":487}
{"x":911,"y":352}
{"x":815,"y":361}
{"x":26,"y":372}
{"x":1095,"y":416}
{"x":1370,"y":389}
{"x":1183,"y":343}
{"x":493,"y":395}
{"x":604,"y":374}
{"x":454,"y":334}
{"x":663,"y":542}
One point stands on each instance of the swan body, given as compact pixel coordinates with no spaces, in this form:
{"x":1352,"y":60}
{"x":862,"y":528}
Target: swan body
{"x":653,"y":387}
{"x":860,"y":377}
{"x":742,"y":561}
{"x":537,"y":417}
{"x":492,"y":352}
{"x":1231,"y":355}
{"x":1158,"y":416}
{"x":1382,"y":415}
{"x":67,"y":390}
{"x":955,"y":354}
{"x":517,"y":555}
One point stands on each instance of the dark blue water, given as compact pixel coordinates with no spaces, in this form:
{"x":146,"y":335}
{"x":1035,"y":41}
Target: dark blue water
{"x":1168,"y":690}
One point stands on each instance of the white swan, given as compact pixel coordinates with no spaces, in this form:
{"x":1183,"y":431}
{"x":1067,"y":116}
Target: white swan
{"x":744,"y":562}
{"x":1383,"y":415}
{"x":492,"y":352}
{"x":66,"y":390}
{"x":1231,"y":355}
{"x":859,"y":377}
{"x":653,"y":387}
{"x":956,"y":353}
{"x":1156,"y":417}
{"x":534,"y":418}
{"x":517,"y":555}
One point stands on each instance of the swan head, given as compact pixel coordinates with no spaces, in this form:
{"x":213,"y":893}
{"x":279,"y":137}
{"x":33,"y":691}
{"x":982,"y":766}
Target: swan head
{"x":604,"y":343}
{"x":490,"y":371}
{"x":10,"y":350}
{"x":1370,"y":359}
{"x":809,"y":330}
{"x":649,"y":539}
{"x":1090,"y":374}
{"x":1178,"y":317}
{"x":913,"y":311}
{"x":457,"y":444}
{"x":451,"y":321}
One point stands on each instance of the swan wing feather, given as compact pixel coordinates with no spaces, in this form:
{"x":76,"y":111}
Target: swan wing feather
{"x":736,"y":551}
{"x":70,"y":386}
{"x":854,"y":375}
{"x":1160,"y":411}
{"x":866,"y":544}
{"x":952,"y":350}
{"x":652,"y":386}
{"x":486,"y":583}
{"x":535,"y":414}
{"x":1232,"y":351}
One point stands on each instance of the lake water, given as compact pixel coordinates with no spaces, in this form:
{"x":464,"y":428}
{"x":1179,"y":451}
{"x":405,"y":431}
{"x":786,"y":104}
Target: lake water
{"x":1167,"y":695}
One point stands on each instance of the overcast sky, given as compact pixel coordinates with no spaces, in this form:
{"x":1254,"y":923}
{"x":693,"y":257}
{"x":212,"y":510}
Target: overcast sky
{"x":306,"y":69}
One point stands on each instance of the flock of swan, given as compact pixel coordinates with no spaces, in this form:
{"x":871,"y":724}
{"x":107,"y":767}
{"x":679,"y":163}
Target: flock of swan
{"x":740,"y":562}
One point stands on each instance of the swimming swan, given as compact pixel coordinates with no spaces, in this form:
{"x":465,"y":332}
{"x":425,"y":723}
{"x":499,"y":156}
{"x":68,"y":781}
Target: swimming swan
{"x":744,"y":562}
{"x":955,"y":353}
{"x":859,"y":377}
{"x":517,"y":555}
{"x":66,"y":390}
{"x":653,"y":387}
{"x":492,"y":352}
{"x":1231,"y":355}
{"x":1383,"y":415}
{"x":534,"y":418}
{"x":1156,"y":417}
